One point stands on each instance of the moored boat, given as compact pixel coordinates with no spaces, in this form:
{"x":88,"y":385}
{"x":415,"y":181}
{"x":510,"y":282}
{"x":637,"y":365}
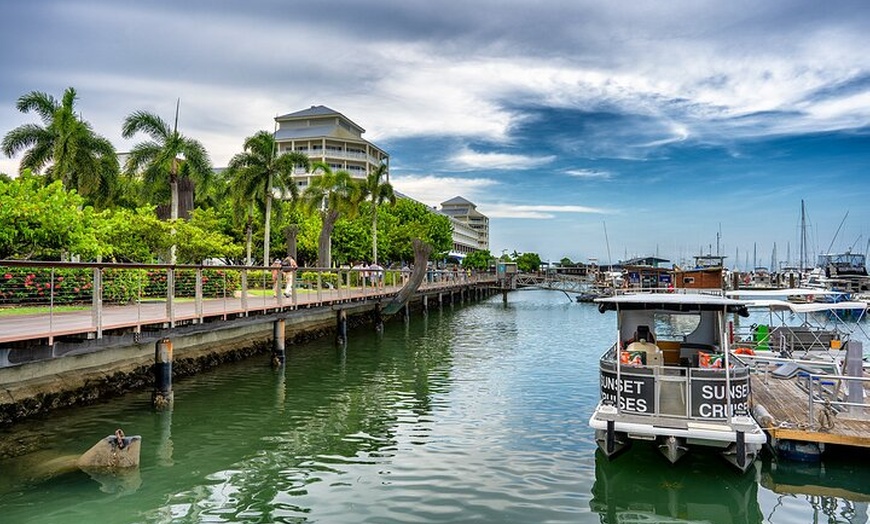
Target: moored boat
{"x":670,"y":378}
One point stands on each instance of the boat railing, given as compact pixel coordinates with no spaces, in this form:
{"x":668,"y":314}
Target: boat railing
{"x":675,"y":391}
{"x":795,"y":341}
{"x":827,"y":395}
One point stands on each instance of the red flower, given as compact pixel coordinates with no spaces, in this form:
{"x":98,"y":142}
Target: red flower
{"x":7,"y":276}
{"x":60,"y":279}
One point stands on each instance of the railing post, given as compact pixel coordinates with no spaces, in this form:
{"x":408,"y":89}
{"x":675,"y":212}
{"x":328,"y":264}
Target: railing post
{"x":51,"y":314}
{"x":244,"y":296}
{"x":319,"y":288}
{"x":198,"y":293}
{"x":170,"y":295}
{"x":97,"y":308}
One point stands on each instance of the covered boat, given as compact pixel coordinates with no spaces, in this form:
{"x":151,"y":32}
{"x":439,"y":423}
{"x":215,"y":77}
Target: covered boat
{"x":670,"y":377}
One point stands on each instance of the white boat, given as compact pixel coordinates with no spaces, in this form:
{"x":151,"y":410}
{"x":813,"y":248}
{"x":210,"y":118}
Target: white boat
{"x":670,"y":377}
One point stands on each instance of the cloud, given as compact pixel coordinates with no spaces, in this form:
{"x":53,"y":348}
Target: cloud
{"x":589,"y":173}
{"x":475,"y":160}
{"x":535,"y":211}
{"x":432,"y":190}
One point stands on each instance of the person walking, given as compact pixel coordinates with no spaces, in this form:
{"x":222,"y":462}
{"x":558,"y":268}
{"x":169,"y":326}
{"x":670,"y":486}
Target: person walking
{"x":288,"y":267}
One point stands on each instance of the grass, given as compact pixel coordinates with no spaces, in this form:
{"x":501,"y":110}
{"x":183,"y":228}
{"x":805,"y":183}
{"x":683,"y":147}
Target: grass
{"x":38,"y":310}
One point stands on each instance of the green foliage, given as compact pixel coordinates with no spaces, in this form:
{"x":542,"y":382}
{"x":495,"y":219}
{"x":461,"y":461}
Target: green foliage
{"x":414,"y":220}
{"x":21,"y":285}
{"x":199,"y":239}
{"x":309,"y":279}
{"x":528,"y":262}
{"x":478,"y":260}
{"x":566,"y":262}
{"x":351,"y":241}
{"x":34,"y":286}
{"x":43,"y":222}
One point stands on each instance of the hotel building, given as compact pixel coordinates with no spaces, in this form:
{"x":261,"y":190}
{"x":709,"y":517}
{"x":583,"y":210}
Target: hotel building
{"x":327,"y":136}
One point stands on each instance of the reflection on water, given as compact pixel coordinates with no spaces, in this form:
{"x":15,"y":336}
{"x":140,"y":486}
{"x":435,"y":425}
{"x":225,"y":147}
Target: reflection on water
{"x":835,"y":490}
{"x":474,"y":413}
{"x":639,"y":487}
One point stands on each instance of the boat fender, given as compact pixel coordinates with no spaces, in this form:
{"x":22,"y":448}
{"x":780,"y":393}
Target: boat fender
{"x":744,"y":351}
{"x":764,"y":418}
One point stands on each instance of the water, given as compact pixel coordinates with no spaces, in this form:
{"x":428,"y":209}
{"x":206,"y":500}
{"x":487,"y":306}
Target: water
{"x":474,"y":414}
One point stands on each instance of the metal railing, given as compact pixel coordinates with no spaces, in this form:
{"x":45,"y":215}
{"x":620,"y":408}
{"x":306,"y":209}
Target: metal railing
{"x":45,"y":300}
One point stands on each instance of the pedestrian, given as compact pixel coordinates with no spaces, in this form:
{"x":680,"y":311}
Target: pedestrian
{"x":288,"y":267}
{"x":276,"y":271}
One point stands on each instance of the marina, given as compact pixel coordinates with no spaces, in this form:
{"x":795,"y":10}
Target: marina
{"x":475,"y":412}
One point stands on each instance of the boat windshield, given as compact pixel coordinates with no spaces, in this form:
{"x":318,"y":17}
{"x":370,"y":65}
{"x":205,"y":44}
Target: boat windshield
{"x":672,"y":326}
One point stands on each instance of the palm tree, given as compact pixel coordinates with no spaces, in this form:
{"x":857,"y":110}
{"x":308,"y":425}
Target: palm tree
{"x":259,"y":172}
{"x":162,"y":156}
{"x":66,"y":146}
{"x":332,"y":193}
{"x":378,"y":189}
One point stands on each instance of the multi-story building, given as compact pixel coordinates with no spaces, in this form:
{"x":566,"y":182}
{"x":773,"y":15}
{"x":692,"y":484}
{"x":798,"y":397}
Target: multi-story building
{"x":327,"y":136}
{"x":472,"y":231}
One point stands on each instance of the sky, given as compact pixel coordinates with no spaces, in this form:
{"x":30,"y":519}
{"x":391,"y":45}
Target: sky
{"x":583,"y":129}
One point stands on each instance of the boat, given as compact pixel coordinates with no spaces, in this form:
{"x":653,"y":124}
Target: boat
{"x":669,"y":377}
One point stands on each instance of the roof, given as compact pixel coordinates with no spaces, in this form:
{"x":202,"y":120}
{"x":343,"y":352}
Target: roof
{"x":687,"y":302}
{"x":457,"y":201}
{"x":315,"y":112}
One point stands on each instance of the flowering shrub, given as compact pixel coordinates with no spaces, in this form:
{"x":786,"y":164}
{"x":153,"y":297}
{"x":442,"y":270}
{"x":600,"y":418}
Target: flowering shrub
{"x":34,"y":286}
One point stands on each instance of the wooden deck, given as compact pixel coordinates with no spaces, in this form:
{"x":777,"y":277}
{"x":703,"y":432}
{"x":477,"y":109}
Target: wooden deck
{"x":788,"y":404}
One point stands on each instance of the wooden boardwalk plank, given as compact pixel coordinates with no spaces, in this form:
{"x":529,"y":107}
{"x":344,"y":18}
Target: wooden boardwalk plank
{"x":788,"y":404}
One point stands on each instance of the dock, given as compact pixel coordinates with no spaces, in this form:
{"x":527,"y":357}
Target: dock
{"x":796,"y":418}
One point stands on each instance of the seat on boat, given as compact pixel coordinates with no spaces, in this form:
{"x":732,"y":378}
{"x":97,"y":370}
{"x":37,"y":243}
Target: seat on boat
{"x":653,"y":353}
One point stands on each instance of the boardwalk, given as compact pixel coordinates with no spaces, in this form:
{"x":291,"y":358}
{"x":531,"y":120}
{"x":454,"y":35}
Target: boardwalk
{"x":155,"y":314}
{"x":788,"y":404}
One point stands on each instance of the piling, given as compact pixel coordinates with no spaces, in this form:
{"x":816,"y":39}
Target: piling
{"x":278,"y":355}
{"x":341,"y":326}
{"x":378,"y":318}
{"x":163,"y":397}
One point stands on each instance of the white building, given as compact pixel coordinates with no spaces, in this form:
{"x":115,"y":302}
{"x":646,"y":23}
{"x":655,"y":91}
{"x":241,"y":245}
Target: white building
{"x":327,"y":136}
{"x":470,"y":226}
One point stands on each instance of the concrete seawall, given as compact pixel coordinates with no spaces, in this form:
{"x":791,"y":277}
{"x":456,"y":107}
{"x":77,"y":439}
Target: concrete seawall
{"x":94,"y":369}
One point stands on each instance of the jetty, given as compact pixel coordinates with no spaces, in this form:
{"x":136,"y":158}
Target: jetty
{"x":72,"y":333}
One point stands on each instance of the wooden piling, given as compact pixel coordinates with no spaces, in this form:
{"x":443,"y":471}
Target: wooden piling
{"x":163,"y":397}
{"x":278,"y":342}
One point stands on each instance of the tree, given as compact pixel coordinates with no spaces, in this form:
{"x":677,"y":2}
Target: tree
{"x":478,"y":260}
{"x":66,"y":146}
{"x":260,"y":172}
{"x":378,"y":190}
{"x":332,"y":193}
{"x":414,"y":220}
{"x":43,"y":222}
{"x":162,"y":156}
{"x":528,"y":262}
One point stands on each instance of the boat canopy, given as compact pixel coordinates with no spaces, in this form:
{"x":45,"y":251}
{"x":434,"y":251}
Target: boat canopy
{"x":676,"y":302}
{"x":810,"y":307}
{"x":790,"y":292}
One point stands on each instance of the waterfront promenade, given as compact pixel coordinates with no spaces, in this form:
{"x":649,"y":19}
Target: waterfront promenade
{"x":58,"y":352}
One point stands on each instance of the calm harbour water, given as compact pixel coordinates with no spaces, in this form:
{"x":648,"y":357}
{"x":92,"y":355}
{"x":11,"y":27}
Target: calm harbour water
{"x":475,"y":413}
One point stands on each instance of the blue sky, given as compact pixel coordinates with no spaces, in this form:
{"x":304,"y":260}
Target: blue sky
{"x":665,"y":124}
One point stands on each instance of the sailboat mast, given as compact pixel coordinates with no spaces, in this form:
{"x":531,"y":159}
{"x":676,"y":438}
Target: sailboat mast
{"x":803,"y":255}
